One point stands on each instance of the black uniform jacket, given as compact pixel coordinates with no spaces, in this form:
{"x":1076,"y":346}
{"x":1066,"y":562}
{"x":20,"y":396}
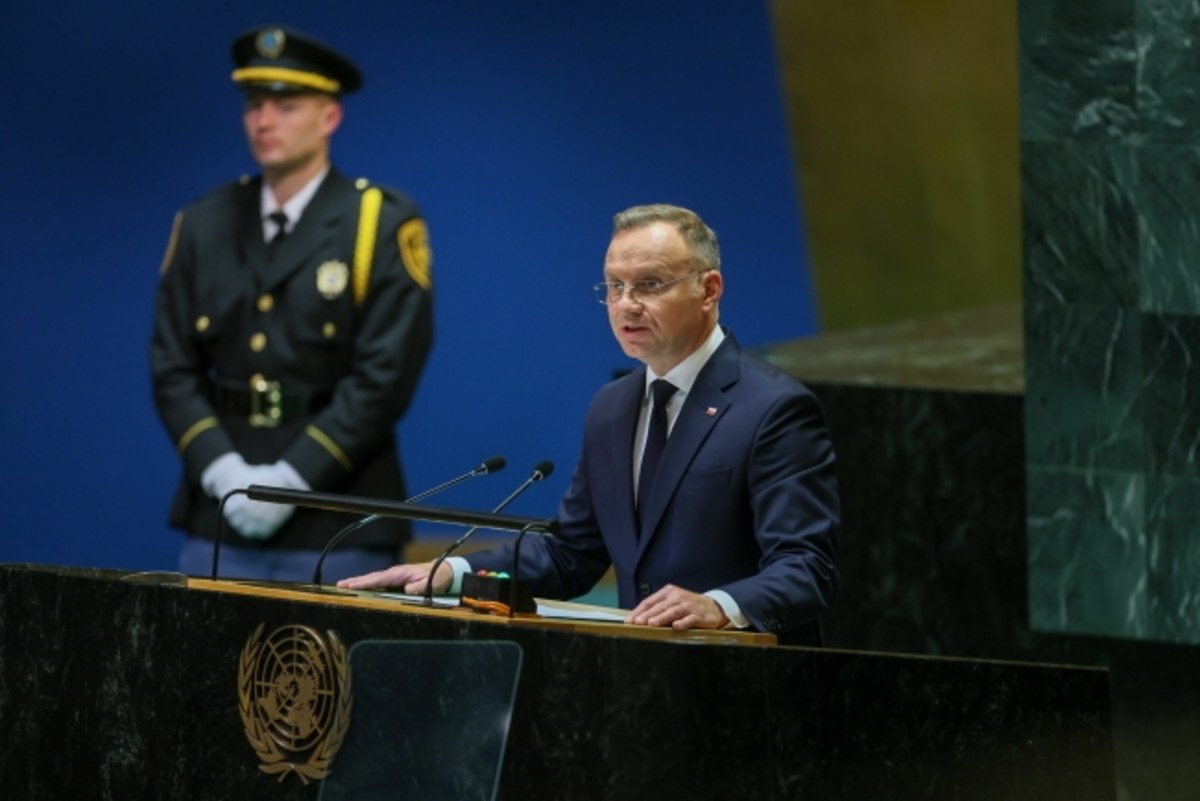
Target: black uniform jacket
{"x":322,"y":335}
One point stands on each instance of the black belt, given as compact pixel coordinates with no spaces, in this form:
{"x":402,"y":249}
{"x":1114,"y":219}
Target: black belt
{"x":266,"y":403}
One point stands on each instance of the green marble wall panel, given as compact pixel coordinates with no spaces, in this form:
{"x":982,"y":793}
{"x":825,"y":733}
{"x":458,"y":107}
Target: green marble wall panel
{"x":1087,"y":552}
{"x":1171,"y":379}
{"x":1110,"y":147}
{"x":1168,"y":203}
{"x":1078,"y":69}
{"x":1079,"y":222}
{"x":1168,"y":89}
{"x":1083,"y":387}
{"x":1173,"y":548}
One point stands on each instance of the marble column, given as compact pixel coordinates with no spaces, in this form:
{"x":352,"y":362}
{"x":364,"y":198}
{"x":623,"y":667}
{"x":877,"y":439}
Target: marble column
{"x":1110,"y":150}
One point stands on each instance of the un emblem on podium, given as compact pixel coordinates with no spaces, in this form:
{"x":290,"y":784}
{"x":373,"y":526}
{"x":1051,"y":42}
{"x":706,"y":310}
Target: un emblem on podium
{"x":294,"y":697}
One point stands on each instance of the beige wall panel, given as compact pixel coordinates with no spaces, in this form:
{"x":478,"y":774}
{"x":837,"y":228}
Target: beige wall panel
{"x":903,"y":118}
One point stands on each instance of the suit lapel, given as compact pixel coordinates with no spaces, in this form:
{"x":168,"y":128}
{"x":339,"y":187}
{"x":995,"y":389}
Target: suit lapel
{"x":704,"y":406}
{"x":618,"y":425}
{"x":312,"y":233}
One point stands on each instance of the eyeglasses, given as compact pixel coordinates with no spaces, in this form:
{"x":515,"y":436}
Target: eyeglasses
{"x":639,"y":291}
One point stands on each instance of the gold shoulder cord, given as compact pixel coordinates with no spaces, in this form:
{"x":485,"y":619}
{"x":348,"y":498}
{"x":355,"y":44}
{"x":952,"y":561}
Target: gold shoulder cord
{"x":364,"y":252}
{"x":364,"y":244}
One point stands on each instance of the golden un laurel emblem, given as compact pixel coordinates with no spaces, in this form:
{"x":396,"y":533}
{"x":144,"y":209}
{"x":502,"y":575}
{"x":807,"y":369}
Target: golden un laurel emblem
{"x":294,"y":697}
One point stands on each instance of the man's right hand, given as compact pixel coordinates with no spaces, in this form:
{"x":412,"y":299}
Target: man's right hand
{"x":411,"y":578}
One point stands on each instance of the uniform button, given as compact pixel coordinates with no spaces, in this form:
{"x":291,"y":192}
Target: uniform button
{"x":361,"y":183}
{"x":258,"y":342}
{"x":202,"y":323}
{"x":265,"y":303}
{"x":644,"y":590}
{"x":329,"y":330}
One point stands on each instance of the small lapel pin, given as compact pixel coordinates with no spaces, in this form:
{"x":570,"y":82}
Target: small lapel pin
{"x":711,"y":411}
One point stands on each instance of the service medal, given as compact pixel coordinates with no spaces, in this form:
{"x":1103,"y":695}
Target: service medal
{"x":332,"y":278}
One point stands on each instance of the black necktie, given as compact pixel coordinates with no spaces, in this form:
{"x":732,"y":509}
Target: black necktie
{"x":281,"y":220}
{"x":656,"y":439}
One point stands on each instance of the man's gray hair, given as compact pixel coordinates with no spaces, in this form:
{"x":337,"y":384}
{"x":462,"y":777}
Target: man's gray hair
{"x":699,"y":236}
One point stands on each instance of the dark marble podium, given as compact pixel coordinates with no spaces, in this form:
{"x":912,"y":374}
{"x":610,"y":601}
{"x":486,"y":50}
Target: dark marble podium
{"x":928,"y":420}
{"x":112,"y":686}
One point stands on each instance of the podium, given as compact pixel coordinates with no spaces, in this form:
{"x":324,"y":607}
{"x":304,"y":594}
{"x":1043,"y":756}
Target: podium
{"x":118,"y":685}
{"x":430,"y":720}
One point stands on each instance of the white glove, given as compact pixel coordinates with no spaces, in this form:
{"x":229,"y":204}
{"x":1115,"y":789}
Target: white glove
{"x":225,"y":474}
{"x":259,"y":520}
{"x":282,"y":474}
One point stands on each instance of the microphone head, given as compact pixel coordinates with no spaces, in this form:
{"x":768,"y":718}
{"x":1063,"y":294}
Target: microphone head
{"x":542,"y":470}
{"x":492,"y":464}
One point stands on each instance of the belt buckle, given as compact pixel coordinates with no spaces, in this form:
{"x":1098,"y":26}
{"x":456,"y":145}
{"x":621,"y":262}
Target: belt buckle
{"x":266,"y":403}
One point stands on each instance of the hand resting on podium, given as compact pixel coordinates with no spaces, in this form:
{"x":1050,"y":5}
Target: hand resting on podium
{"x":670,"y":606}
{"x":410,"y":578}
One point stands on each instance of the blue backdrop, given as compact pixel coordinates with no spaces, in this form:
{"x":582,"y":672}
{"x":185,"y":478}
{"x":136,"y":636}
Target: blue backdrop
{"x":520,"y":127}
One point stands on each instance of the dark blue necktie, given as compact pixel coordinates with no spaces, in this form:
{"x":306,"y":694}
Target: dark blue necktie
{"x":656,"y":439}
{"x":281,"y":220}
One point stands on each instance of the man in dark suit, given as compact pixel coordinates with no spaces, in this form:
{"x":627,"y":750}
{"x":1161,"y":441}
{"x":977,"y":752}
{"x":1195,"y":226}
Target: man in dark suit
{"x":293,"y":319}
{"x":713,"y":495}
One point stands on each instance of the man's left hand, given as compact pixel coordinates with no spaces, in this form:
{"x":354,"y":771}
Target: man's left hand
{"x":679,"y":609}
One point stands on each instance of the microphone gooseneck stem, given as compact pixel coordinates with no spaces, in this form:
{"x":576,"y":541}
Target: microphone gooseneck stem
{"x":442,"y":558}
{"x":488,"y":466}
{"x":335,"y":539}
{"x":512,"y":586}
{"x":539,"y":472}
{"x":220,"y":528}
{"x":420,"y":496}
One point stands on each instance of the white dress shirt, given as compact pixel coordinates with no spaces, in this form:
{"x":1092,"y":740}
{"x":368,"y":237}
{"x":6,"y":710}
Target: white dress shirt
{"x":293,"y":208}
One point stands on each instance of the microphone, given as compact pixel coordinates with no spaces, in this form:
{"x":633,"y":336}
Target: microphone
{"x":542,"y":470}
{"x":358,"y":505}
{"x":220,"y":527}
{"x":491,"y":465}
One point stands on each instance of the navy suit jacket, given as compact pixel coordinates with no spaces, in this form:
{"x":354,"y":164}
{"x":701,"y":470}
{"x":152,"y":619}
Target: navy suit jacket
{"x":745,"y":500}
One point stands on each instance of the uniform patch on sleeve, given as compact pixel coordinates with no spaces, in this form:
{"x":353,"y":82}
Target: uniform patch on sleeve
{"x":413,"y":238}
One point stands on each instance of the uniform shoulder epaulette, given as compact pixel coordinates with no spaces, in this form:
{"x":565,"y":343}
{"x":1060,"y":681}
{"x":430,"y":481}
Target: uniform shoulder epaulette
{"x":390,"y":193}
{"x":412,"y":237}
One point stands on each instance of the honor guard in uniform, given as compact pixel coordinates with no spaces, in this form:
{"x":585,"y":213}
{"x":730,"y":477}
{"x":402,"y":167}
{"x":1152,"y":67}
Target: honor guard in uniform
{"x":294,"y":315}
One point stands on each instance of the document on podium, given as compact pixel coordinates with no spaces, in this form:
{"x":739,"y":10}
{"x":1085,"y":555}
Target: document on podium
{"x":573,"y":611}
{"x":438,"y":601}
{"x":562,"y":610}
